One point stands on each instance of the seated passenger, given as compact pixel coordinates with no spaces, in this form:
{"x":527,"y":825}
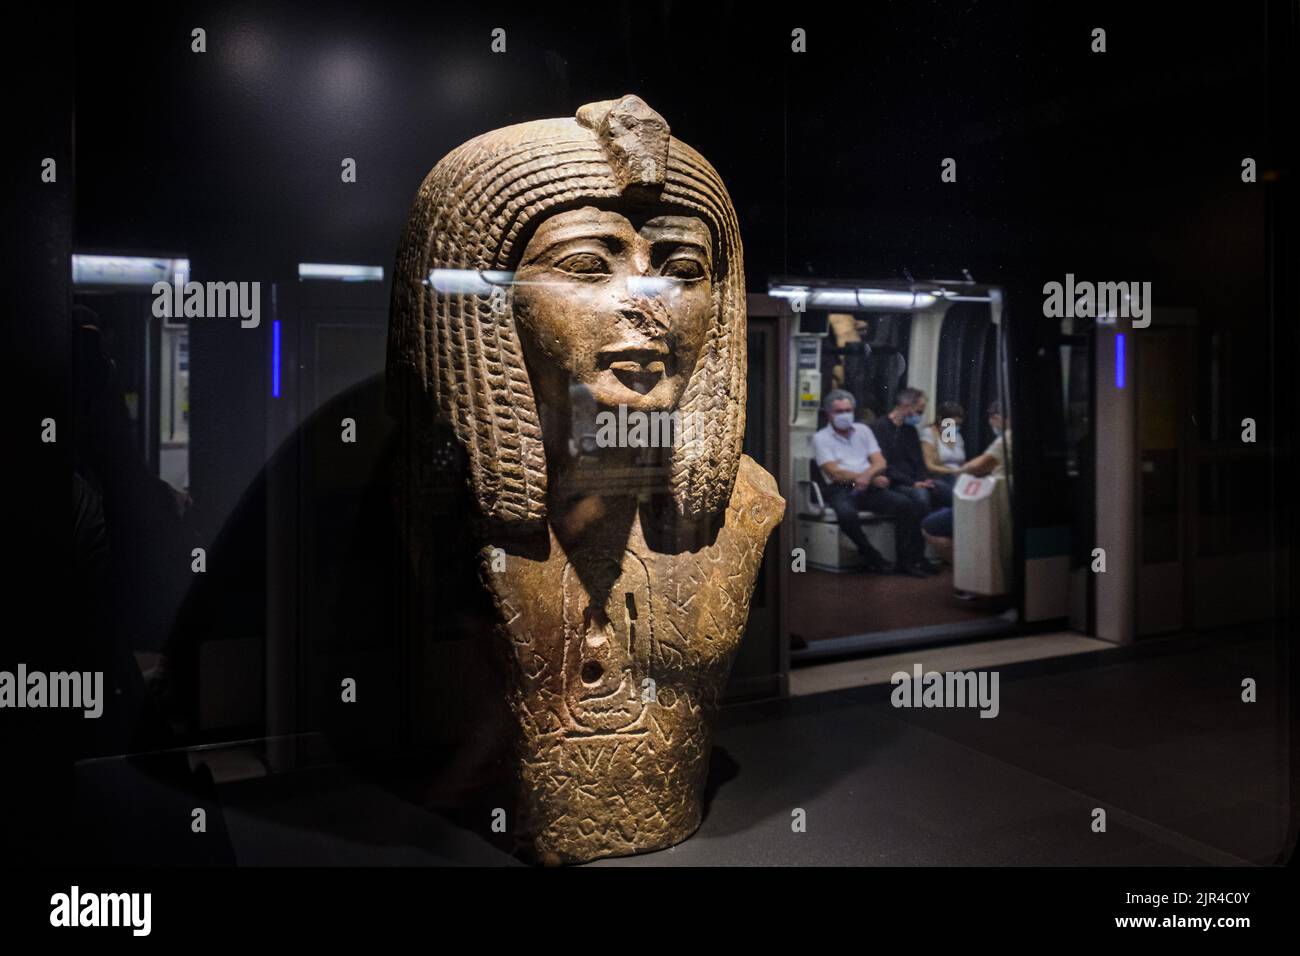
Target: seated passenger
{"x":856,"y":479}
{"x":901,"y":446}
{"x":993,"y":459}
{"x":938,"y":526}
{"x":942,"y":444}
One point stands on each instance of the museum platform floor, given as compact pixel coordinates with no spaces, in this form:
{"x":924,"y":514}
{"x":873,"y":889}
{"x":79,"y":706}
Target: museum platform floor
{"x":1155,"y":735}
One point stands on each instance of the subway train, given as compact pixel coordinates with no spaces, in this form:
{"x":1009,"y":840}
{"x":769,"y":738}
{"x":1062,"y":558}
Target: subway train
{"x":1112,"y":520}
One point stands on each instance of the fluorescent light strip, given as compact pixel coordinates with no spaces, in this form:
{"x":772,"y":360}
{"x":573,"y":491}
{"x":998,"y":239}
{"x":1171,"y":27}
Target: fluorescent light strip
{"x":340,"y":272}
{"x":468,"y":281}
{"x":877,"y":300}
{"x":126,"y":270}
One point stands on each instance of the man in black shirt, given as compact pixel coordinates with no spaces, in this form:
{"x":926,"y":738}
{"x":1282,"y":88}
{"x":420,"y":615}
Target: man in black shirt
{"x":901,"y":445}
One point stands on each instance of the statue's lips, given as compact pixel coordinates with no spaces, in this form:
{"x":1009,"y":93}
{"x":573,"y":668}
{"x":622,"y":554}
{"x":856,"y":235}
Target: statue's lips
{"x":638,"y":369}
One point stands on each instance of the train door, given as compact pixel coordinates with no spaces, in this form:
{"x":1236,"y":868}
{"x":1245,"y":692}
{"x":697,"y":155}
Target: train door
{"x":945,"y":343}
{"x":1174,"y":549}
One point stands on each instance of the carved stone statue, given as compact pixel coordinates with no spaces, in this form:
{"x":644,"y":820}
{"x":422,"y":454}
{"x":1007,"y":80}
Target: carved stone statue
{"x":567,"y":344}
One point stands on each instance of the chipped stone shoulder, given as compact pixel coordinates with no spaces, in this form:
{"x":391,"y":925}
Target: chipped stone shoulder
{"x":756,"y":489}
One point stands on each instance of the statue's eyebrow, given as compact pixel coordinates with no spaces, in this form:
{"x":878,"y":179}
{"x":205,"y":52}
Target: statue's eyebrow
{"x":681,"y":235}
{"x":683,"y":239}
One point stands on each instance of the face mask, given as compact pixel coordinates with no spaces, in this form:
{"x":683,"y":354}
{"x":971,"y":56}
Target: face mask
{"x":842,"y":420}
{"x":912,"y":420}
{"x":997,"y":432}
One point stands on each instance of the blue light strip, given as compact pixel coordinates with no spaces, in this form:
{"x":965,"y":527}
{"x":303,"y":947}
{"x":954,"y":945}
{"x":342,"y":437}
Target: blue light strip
{"x":275,"y":359}
{"x":1119,"y":359}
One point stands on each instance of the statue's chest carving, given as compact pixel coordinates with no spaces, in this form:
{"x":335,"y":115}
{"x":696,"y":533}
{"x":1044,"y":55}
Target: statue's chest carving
{"x":606,"y":638}
{"x":607,"y":647}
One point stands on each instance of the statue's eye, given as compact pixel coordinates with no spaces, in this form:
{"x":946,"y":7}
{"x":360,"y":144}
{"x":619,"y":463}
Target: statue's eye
{"x":583,"y":264}
{"x":683,"y":267}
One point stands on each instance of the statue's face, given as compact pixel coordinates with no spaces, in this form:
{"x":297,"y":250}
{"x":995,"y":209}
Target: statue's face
{"x":619,"y":306}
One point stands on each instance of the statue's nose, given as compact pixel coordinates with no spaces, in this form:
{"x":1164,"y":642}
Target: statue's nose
{"x":646,"y":314}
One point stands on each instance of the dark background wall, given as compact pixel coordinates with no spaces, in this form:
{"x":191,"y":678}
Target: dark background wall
{"x":46,"y":631}
{"x":832,"y":156}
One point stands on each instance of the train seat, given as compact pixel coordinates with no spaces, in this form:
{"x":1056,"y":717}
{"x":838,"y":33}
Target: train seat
{"x":818,"y":531}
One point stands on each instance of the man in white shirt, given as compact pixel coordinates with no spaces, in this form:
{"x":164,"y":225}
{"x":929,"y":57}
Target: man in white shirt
{"x":854,"y":472}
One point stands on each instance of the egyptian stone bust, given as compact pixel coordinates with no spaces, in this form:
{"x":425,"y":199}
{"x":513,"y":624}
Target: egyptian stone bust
{"x":567,"y":351}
